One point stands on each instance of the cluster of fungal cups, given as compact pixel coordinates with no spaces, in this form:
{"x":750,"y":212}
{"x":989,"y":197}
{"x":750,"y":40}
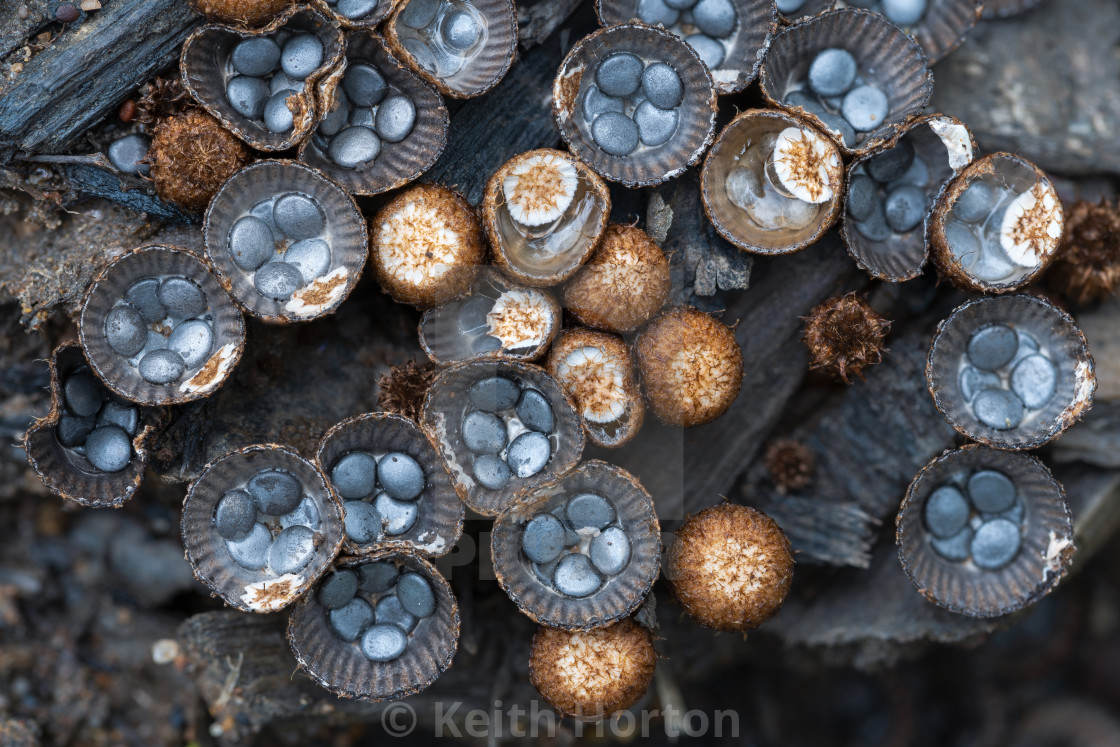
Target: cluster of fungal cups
{"x":376,"y":607}
{"x":380,"y":494}
{"x":367,"y":112}
{"x":269,"y":69}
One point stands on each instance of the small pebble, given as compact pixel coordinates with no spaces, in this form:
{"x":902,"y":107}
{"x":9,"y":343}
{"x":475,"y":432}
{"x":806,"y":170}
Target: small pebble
{"x":72,"y":430}
{"x":615,"y":133}
{"x":390,"y":611}
{"x":1035,"y":380}
{"x":998,"y":409}
{"x":361,"y":521}
{"x":954,"y":548}
{"x":946,"y":512}
{"x":974,"y":203}
{"x":283,"y":82}
{"x":292,"y":550}
{"x":535,"y":412}
{"x":494,"y":394}
{"x":619,"y":74}
{"x":832,"y":72}
{"x":274,"y":491}
{"x":277,"y":115}
{"x":992,"y":347}
{"x":336,"y":117}
{"x":161,"y":366}
{"x":377,"y":577}
{"x":484,"y":433}
{"x":715,"y":18}
{"x":662,"y":86}
{"x":962,"y":242}
{"x":416,"y":595}
{"x":528,"y":454}
{"x":472,"y":314}
{"x":917,"y":175}
{"x":655,"y":126}
{"x":543,"y":539}
{"x":338,"y":589}
{"x":354,"y":9}
{"x":193,"y":341}
{"x":143,"y":295}
{"x":973,"y":380}
{"x":991,"y":491}
{"x":711,"y":52}
{"x":837,"y":123}
{"x":125,"y":331}
{"x":247,"y":96}
{"x":419,"y":13}
{"x":576,"y":577}
{"x":251,"y":553}
{"x":351,"y":619}
{"x":395,"y":117}
{"x":875,"y":228}
{"x":120,"y":414}
{"x":181,"y":297}
{"x":364,"y":84}
{"x":654,"y":12}
{"x":354,"y":147}
{"x":865,"y":108}
{"x":491,"y":472}
{"x":126,"y":153}
{"x":589,"y":511}
{"x":235,"y":516}
{"x":905,"y":207}
{"x":301,"y":55}
{"x":790,"y":6}
{"x":460,"y":30}
{"x":383,"y":643}
{"x":862,"y":197}
{"x":278,"y":281}
{"x":610,"y":551}
{"x":251,"y":243}
{"x":401,"y":476}
{"x":595,"y":102}
{"x":305,"y":514}
{"x":257,"y":56}
{"x":109,"y":448}
{"x":298,"y":216}
{"x":355,"y":475}
{"x":397,"y":517}
{"x":312,"y":257}
{"x":995,"y":544}
{"x":805,"y":100}
{"x":891,"y":164}
{"x":904,"y":12}
{"x":363,"y":118}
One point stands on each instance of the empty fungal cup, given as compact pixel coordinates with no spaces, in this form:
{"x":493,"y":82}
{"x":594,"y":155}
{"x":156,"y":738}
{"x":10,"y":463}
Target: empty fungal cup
{"x":997,"y":226}
{"x":1012,"y":372}
{"x":772,"y":183}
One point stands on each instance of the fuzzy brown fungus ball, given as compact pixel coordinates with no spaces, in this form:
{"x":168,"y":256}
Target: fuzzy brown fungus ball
{"x":730,"y":567}
{"x":1088,"y":265}
{"x":427,"y":245}
{"x":844,"y":336}
{"x":242,"y":12}
{"x":691,"y":366}
{"x":623,"y":284}
{"x":592,"y":674}
{"x":404,"y":387}
{"x":790,"y":464}
{"x":192,"y":155}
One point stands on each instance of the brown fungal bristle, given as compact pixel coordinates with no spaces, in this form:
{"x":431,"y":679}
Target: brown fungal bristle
{"x":404,"y":387}
{"x":162,"y":98}
{"x":790,"y":464}
{"x":242,"y":12}
{"x":691,"y":366}
{"x":592,"y":674}
{"x":730,"y":567}
{"x":427,"y":245}
{"x":625,"y":282}
{"x":192,"y":155}
{"x":844,"y":336}
{"x":1088,"y":265}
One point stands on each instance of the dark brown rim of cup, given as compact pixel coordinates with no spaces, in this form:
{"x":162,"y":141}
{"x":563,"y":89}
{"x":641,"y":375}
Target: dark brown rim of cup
{"x":1052,"y":328}
{"x":69,"y":475}
{"x":962,"y":587}
{"x":945,"y":26}
{"x":729,"y":219}
{"x":695,"y":129}
{"x":939,"y":140}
